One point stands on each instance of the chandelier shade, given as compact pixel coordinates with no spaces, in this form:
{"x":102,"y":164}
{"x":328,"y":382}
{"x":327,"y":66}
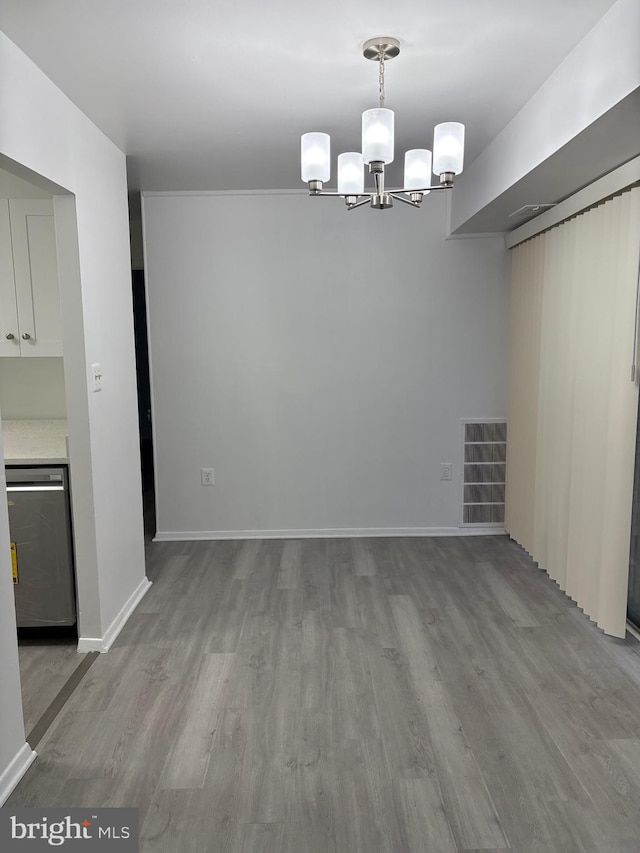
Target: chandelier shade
{"x":377,"y":136}
{"x":378,"y":152}
{"x":350,"y":173}
{"x":417,"y":169}
{"x":316,"y":157}
{"x":448,"y":147}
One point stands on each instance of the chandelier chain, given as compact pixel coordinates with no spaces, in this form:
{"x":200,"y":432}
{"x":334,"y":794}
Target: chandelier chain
{"x":381,"y":80}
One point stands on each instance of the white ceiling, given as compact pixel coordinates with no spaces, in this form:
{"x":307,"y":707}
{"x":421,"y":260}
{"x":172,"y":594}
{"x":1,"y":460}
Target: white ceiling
{"x":213,"y":94}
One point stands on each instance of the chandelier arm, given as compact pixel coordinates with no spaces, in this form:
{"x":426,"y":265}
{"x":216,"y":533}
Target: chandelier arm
{"x":359,"y":203}
{"x":330,"y":193}
{"x":366,"y":193}
{"x":402,"y":198}
{"x":394,"y":192}
{"x":420,"y":189}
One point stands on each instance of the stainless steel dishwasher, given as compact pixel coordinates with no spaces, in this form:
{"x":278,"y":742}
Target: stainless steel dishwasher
{"x":41,"y":546}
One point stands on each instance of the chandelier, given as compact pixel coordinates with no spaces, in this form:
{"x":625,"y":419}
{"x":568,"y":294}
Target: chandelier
{"x":377,"y":152}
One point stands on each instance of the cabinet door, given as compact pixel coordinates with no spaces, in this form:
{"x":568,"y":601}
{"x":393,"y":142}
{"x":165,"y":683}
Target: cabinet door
{"x":8,"y":309}
{"x":35,"y":264}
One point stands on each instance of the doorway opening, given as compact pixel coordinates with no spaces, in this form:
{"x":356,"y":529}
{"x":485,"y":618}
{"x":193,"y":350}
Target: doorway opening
{"x":144,"y":402}
{"x":34,"y":405}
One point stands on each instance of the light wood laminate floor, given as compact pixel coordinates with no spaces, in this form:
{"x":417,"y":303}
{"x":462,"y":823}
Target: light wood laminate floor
{"x":355,"y":696}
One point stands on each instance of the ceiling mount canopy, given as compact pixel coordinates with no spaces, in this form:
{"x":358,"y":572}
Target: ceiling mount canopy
{"x":381,"y":48}
{"x":377,"y":151}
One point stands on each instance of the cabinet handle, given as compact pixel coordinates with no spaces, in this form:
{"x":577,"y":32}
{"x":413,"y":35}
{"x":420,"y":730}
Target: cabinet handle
{"x":10,"y":336}
{"x":26,"y":336}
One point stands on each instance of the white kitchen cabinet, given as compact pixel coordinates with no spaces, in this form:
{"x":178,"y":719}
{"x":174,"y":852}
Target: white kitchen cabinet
{"x":29,"y":296}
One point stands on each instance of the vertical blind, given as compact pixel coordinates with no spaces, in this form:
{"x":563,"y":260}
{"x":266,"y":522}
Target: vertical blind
{"x":572,"y":406}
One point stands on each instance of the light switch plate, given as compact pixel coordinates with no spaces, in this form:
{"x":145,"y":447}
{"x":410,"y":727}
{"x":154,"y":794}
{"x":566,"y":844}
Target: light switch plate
{"x":96,"y":377}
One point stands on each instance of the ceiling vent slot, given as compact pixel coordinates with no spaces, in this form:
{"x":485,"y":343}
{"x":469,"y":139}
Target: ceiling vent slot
{"x":531,"y":210}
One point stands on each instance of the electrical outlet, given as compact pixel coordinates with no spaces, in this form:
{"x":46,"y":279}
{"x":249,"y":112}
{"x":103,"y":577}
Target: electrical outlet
{"x":446,"y":470}
{"x":206,"y":476}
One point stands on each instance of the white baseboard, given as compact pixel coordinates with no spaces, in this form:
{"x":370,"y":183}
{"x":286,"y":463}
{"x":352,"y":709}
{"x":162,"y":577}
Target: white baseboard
{"x":15,"y":770}
{"x":104,"y":643}
{"x":331,"y":533}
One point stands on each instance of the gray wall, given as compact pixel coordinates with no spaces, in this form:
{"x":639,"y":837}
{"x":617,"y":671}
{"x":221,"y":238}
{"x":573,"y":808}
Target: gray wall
{"x":320,"y":360}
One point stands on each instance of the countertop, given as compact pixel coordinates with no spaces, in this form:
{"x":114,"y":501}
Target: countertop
{"x":35,"y":442}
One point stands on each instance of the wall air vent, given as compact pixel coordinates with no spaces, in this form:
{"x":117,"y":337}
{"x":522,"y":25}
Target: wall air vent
{"x":531,"y":210}
{"x":485,"y":455}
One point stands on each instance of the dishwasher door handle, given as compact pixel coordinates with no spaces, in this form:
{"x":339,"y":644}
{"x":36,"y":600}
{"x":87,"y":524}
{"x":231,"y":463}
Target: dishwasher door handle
{"x":36,"y":488}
